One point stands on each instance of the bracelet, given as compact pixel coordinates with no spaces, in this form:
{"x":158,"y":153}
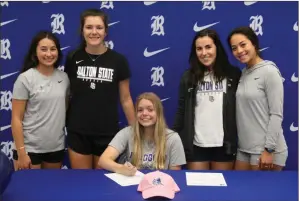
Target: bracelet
{"x":21,"y":148}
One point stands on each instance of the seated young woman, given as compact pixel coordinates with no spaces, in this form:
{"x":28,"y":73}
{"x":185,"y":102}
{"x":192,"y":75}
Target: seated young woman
{"x":147,"y":144}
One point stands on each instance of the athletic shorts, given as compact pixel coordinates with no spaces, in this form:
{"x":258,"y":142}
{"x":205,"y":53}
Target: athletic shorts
{"x":87,"y":144}
{"x":278,"y":159}
{"x":38,"y":158}
{"x":215,"y":154}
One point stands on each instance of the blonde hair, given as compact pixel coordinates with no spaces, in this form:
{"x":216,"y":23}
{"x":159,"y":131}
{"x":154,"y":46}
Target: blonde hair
{"x":159,"y":133}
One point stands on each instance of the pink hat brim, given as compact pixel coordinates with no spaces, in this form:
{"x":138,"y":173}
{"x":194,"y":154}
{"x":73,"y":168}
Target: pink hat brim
{"x":160,"y":191}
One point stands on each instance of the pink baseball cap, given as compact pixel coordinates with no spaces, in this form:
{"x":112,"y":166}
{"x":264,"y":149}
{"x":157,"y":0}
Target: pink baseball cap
{"x":158,"y":184}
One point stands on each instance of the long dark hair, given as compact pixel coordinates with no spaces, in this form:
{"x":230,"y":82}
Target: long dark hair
{"x":248,"y":33}
{"x":87,"y":13}
{"x":31,"y":60}
{"x":221,"y":65}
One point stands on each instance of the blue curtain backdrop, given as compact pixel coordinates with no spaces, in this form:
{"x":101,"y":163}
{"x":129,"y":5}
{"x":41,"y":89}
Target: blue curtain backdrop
{"x":156,"y":38}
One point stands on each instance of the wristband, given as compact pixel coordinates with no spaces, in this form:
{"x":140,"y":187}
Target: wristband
{"x":270,"y":150}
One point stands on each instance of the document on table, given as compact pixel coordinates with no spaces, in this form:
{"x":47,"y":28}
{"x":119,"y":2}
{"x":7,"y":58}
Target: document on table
{"x":126,"y":180}
{"x":205,"y":179}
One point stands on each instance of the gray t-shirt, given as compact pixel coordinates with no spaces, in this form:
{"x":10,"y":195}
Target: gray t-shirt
{"x":44,"y":117}
{"x":259,"y":109}
{"x":175,"y":155}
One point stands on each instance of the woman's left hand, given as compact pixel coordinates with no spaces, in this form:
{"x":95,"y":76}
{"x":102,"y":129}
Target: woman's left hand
{"x":266,"y":161}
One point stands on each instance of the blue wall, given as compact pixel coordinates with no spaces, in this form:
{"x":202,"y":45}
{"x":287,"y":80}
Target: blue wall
{"x":136,"y":26}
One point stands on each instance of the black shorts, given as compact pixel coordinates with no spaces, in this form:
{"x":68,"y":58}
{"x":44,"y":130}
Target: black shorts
{"x":216,"y":154}
{"x":38,"y":158}
{"x":87,"y":144}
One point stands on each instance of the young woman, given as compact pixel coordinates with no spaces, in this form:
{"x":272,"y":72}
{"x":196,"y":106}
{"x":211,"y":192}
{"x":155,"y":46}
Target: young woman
{"x":259,"y":106}
{"x":205,"y":117}
{"x":99,"y":77}
{"x":148,"y":144}
{"x":39,"y":106}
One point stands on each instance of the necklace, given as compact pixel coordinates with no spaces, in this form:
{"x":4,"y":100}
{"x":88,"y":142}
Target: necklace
{"x":93,"y":59}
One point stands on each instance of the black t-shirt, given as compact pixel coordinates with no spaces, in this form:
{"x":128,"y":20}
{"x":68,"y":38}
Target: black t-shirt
{"x":93,"y":107}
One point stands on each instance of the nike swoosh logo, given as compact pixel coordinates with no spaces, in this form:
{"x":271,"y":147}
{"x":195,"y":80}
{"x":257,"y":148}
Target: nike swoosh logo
{"x":293,"y":128}
{"x":294,"y":78}
{"x":295,"y":27}
{"x":113,"y":23}
{"x":249,"y":3}
{"x":146,"y":53}
{"x":197,"y":28}
{"x":6,"y":22}
{"x":79,"y":61}
{"x":7,"y":75}
{"x":5,"y":127}
{"x":165,"y":99}
{"x":148,"y":3}
{"x":63,"y":48}
{"x":263,"y":49}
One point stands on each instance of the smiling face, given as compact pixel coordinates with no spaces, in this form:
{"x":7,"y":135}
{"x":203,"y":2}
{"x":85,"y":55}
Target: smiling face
{"x":243,"y":49}
{"x":94,"y":31}
{"x":206,"y":51}
{"x":146,"y":113}
{"x":46,"y":52}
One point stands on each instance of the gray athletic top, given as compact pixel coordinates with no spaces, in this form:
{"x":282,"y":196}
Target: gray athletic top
{"x":44,"y":117}
{"x":175,"y":155}
{"x":259,"y":109}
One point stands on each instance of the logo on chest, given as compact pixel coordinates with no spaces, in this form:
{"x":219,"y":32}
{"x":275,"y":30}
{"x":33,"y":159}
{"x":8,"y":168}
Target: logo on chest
{"x":95,"y":74}
{"x":209,"y":86}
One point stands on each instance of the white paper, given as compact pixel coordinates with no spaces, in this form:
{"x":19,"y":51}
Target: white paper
{"x":205,"y":179}
{"x":126,"y":180}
